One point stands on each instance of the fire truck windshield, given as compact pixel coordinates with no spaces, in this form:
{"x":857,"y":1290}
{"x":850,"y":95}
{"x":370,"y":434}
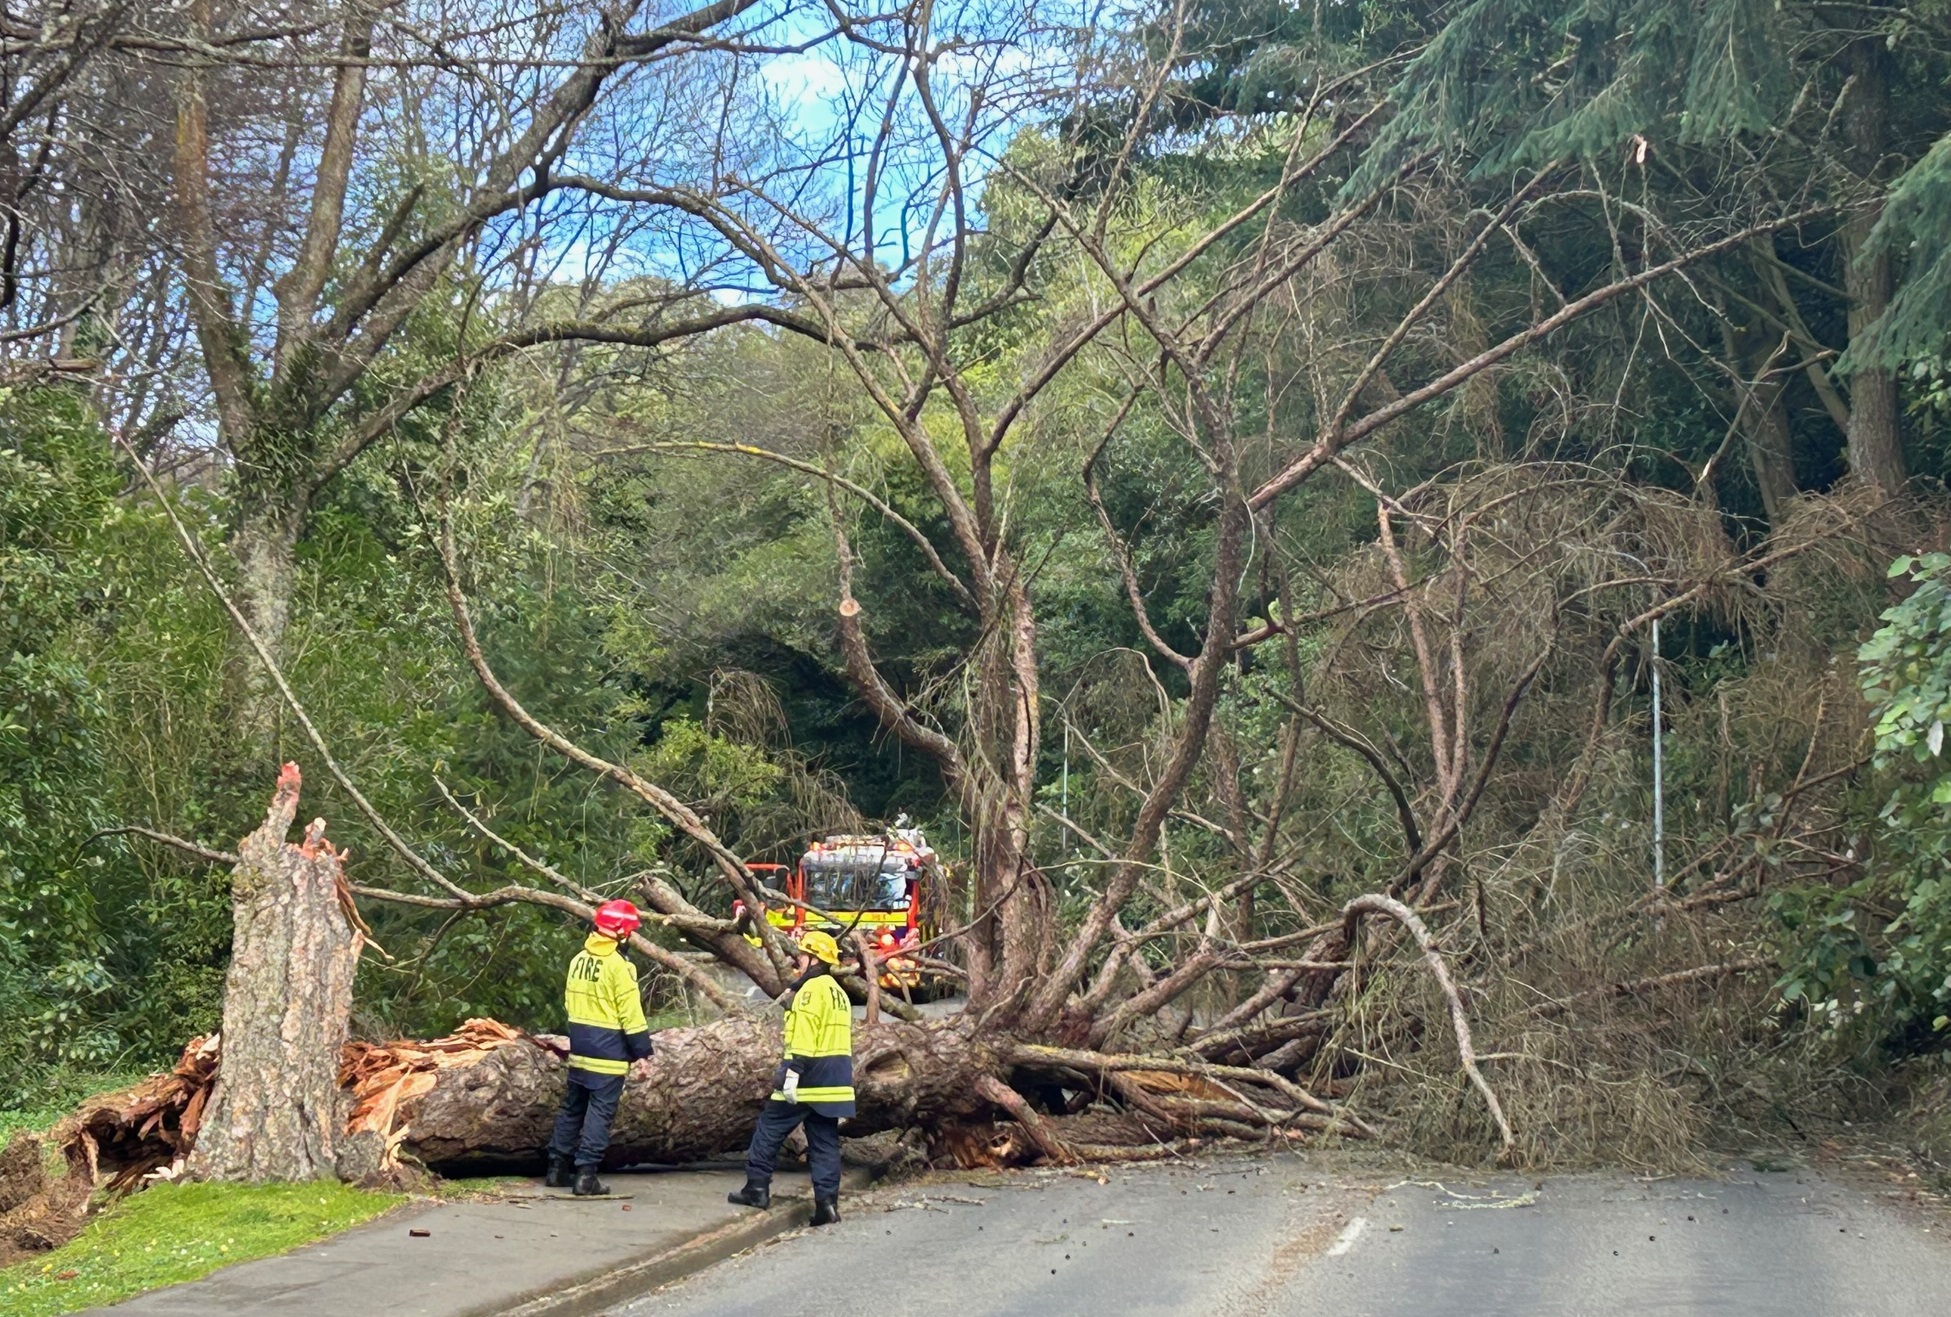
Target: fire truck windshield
{"x":867,"y":882}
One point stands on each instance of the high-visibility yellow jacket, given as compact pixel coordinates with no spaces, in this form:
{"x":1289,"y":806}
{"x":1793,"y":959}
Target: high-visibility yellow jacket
{"x":820,"y":1047}
{"x":606,"y":1017}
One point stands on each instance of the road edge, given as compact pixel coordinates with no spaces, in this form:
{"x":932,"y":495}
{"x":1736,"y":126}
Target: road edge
{"x":618,"y":1284}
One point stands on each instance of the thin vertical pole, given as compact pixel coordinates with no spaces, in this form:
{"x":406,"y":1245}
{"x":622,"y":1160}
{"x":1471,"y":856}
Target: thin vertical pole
{"x":1659,"y":784}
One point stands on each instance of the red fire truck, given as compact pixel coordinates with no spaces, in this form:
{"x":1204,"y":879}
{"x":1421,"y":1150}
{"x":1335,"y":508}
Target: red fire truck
{"x":889,"y":887}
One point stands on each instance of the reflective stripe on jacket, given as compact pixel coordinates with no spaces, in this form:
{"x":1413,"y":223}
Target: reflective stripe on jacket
{"x":820,"y":1047}
{"x":606,"y":1017}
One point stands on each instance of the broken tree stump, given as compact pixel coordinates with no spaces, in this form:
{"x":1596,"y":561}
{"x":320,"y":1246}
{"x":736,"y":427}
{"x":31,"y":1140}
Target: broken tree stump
{"x":277,"y":1112}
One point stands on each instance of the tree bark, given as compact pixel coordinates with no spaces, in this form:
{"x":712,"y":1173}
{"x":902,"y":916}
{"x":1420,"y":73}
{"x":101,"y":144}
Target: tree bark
{"x":1761,"y":417}
{"x":1876,"y":452}
{"x":1769,"y":451}
{"x":264,"y":544}
{"x":276,"y":1112}
{"x":705,"y":1090}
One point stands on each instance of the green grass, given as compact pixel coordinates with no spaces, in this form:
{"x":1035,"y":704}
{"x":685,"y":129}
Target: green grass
{"x":178,"y":1232}
{"x":480,"y":1186}
{"x":64,"y":1091}
{"x":16,"y":1119}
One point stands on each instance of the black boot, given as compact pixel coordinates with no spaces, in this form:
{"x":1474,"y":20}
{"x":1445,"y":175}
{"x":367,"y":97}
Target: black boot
{"x":562,"y":1173}
{"x":826,"y":1211}
{"x":756,"y":1193}
{"x":587,"y":1185}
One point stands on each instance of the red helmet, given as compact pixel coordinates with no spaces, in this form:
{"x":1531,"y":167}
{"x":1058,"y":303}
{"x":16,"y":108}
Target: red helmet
{"x":617,"y":919}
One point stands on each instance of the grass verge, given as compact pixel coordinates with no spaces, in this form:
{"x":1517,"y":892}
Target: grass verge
{"x":61,"y":1092}
{"x":177,"y":1232}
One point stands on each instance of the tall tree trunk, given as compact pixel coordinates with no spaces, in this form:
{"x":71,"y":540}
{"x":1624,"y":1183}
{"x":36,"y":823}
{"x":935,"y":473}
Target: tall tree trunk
{"x":264,"y":544}
{"x":1760,"y":379}
{"x":277,"y":1112}
{"x":1769,"y":451}
{"x":1010,"y":943}
{"x":1876,"y":451}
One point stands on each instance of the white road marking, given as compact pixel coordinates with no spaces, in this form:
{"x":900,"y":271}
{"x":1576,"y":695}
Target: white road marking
{"x":1346,"y":1240}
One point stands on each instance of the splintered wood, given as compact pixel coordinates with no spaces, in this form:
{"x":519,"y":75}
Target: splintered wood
{"x":383,"y":1077}
{"x":118,"y":1140}
{"x":1166,"y":1083}
{"x":985,"y":1146}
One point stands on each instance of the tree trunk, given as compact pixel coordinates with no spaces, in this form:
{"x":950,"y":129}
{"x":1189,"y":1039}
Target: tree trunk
{"x":264,"y":544}
{"x":705,"y":1091}
{"x":1876,"y":451}
{"x":1008,"y":946}
{"x":276,"y":1112}
{"x":1769,"y":452}
{"x":1760,"y":415}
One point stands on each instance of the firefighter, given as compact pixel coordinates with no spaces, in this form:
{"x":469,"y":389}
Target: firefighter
{"x":814,"y":1083}
{"x":608,"y":1042}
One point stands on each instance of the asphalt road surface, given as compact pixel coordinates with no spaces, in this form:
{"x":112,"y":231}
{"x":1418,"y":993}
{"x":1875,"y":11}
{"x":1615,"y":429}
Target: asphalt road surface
{"x":1289,"y":1236}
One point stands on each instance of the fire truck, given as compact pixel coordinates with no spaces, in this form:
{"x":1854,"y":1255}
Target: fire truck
{"x":888,"y":886}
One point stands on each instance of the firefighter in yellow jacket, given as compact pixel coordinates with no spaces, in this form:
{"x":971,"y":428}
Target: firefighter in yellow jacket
{"x":814,"y":1083}
{"x":608,"y":1042}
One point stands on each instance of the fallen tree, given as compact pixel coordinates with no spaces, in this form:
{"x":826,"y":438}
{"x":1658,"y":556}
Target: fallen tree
{"x":1146,"y":1004}
{"x":484,"y":1100}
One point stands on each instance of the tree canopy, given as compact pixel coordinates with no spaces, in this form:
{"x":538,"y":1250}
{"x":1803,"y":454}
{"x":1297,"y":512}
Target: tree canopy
{"x":1210,"y":464}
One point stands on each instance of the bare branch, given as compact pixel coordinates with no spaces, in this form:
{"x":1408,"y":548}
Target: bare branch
{"x":196,"y":849}
{"x":767,"y":971}
{"x":1330,"y":443}
{"x":1459,"y":1021}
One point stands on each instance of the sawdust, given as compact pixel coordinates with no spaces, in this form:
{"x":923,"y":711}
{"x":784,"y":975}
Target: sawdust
{"x":38,"y":1211}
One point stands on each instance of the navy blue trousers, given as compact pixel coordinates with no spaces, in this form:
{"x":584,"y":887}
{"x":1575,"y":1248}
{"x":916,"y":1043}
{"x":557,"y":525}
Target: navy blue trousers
{"x":822,"y":1145}
{"x":582,"y":1127}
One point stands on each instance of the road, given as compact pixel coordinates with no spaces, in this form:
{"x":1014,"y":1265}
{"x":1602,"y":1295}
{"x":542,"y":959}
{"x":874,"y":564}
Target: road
{"x":1287,"y":1235}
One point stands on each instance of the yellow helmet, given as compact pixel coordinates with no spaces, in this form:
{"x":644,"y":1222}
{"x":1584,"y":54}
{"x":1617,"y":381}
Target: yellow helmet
{"x":820,"y":946}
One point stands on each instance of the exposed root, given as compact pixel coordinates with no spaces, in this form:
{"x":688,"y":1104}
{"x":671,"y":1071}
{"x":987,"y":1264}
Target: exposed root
{"x":1027,"y":1116}
{"x":1196,"y":1096}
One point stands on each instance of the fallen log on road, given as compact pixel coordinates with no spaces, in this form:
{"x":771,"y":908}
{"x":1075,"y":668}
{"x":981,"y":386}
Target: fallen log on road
{"x":484,"y":1098}
{"x":700,"y":1100}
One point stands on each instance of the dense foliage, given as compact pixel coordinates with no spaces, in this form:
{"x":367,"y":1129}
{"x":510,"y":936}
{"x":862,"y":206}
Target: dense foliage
{"x":660,"y":483}
{"x":1881,"y":946}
